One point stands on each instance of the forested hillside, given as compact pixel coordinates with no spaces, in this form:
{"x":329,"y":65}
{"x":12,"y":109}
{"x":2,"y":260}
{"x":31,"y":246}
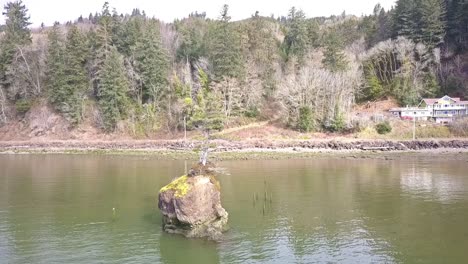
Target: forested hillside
{"x":132,"y":74}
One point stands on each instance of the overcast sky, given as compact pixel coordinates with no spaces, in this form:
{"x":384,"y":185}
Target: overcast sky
{"x":48,"y":11}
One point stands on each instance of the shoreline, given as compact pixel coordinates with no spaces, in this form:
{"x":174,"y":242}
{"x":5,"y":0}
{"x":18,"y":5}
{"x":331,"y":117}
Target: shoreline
{"x":244,"y":150}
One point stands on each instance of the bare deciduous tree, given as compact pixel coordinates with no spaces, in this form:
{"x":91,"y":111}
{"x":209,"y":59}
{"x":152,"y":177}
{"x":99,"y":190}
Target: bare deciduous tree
{"x":27,"y":70}
{"x":322,"y":91}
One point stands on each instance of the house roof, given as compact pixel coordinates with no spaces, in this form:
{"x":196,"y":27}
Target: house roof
{"x":431,"y":101}
{"x":408,"y":109}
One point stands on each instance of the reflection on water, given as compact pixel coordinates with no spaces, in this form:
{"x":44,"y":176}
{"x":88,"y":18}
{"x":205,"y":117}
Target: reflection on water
{"x":58,"y":208}
{"x":433,"y":185}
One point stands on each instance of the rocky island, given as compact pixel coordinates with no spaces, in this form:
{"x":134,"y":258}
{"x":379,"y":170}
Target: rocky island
{"x":191,"y":204}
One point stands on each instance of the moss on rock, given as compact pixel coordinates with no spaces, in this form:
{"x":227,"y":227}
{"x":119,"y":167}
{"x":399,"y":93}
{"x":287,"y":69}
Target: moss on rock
{"x":215,"y":182}
{"x":191,"y":205}
{"x":180,"y":186}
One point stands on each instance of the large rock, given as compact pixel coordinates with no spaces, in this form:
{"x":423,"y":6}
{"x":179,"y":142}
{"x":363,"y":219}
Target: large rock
{"x":191,"y":206}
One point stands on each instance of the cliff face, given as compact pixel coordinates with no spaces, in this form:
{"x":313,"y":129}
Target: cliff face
{"x":191,"y":206}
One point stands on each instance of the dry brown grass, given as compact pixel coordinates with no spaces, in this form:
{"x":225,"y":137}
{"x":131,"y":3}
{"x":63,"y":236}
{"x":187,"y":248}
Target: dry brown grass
{"x":404,"y":130}
{"x":460,"y":127}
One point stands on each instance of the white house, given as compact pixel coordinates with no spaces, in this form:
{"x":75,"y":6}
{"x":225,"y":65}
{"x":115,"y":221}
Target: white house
{"x":443,"y":110}
{"x":410,"y":113}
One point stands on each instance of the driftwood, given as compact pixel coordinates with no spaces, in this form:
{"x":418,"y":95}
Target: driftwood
{"x":376,"y":148}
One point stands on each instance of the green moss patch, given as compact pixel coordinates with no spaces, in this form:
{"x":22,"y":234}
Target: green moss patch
{"x":180,"y":186}
{"x":215,"y":182}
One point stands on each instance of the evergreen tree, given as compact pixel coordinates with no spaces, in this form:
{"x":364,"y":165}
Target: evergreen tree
{"x":406,"y":23}
{"x":337,"y":123}
{"x":384,"y":25}
{"x":152,"y":64}
{"x":192,"y":46}
{"x":56,"y":67}
{"x":76,"y":53}
{"x":334,"y":57}
{"x":377,"y":27}
{"x":118,"y":31}
{"x":226,"y":56}
{"x":305,"y":122}
{"x":296,"y":40}
{"x":262,"y":49}
{"x":105,"y":30}
{"x":131,"y":34}
{"x":103,"y":45}
{"x":313,"y":33}
{"x":67,"y":75}
{"x":432,"y":24}
{"x":208,"y":112}
{"x":457,"y":23}
{"x":112,"y":93}
{"x":16,"y":33}
{"x":109,"y":75}
{"x":421,"y":21}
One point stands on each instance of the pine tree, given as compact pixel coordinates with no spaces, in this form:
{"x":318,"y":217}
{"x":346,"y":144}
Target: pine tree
{"x":208,"y":112}
{"x":102,"y":46}
{"x":463,"y":23}
{"x":296,"y":40}
{"x":305,"y":122}
{"x":421,"y":21}
{"x":377,"y":27}
{"x":226,"y":56}
{"x":384,"y":25}
{"x":405,"y":23}
{"x":109,"y":76}
{"x":76,"y":53}
{"x":112,"y":93}
{"x":152,"y":65}
{"x":131,"y":34}
{"x":313,"y":33}
{"x":457,"y":23}
{"x":334,"y":57}
{"x":432,"y":24}
{"x":56,"y":67}
{"x":67,"y":75}
{"x":262,"y":49}
{"x":118,"y":31}
{"x":16,"y":33}
{"x":192,"y":46}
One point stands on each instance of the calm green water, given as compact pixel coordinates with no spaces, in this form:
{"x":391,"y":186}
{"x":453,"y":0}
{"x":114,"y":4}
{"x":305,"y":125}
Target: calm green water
{"x":58,"y":209}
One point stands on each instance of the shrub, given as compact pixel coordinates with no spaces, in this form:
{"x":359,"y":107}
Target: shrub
{"x":337,"y":124}
{"x":23,"y":105}
{"x":252,"y":112}
{"x":305,"y":123}
{"x":383,"y":128}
